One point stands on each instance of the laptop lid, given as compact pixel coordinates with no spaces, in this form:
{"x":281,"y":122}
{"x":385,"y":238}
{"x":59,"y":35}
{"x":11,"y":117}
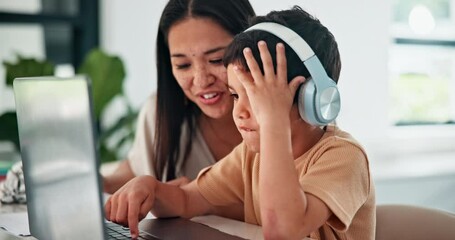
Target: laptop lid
{"x":59,"y":157}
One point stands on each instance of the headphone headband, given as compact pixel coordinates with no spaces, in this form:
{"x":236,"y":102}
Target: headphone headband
{"x":288,"y":36}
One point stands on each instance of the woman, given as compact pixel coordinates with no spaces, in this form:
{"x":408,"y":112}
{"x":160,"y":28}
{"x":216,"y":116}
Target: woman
{"x":188,"y":125}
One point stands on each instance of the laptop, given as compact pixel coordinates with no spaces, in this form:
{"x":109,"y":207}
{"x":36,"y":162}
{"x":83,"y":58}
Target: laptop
{"x":59,"y":157}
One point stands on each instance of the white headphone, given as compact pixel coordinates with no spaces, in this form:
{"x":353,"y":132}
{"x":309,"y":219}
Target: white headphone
{"x":318,"y":98}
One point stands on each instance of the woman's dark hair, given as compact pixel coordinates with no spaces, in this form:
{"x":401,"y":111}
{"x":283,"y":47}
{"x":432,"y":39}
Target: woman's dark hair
{"x":172,"y":108}
{"x":308,"y":27}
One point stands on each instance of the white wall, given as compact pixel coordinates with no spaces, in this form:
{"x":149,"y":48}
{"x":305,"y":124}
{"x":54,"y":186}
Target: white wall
{"x":129,"y":30}
{"x":15,"y":39}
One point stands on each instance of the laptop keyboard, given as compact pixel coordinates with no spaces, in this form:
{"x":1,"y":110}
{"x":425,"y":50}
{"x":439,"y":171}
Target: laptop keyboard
{"x":115,"y":231}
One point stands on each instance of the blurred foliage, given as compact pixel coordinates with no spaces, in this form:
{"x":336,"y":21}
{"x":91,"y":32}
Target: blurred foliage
{"x":120,"y":134}
{"x":26,"y":67}
{"x":107,"y":74}
{"x":8,"y":128}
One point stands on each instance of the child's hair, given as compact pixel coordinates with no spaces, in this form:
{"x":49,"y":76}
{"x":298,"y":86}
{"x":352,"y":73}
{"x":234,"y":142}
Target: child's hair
{"x":308,"y":27}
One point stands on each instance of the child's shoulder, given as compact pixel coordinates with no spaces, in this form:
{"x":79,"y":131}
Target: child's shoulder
{"x":335,"y":136}
{"x":337,"y":149}
{"x":336,"y":142}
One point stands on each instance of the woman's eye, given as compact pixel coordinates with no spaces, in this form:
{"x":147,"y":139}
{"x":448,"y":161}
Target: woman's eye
{"x":216,"y":61}
{"x":182,"y":66}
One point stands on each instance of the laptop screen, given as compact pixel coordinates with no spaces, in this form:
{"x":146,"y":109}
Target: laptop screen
{"x":59,"y":157}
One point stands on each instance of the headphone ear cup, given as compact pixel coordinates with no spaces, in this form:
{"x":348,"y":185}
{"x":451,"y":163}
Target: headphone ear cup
{"x":310,"y":111}
{"x":306,"y":102}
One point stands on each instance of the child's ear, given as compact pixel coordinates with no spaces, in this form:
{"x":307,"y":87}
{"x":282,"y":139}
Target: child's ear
{"x":294,"y":114}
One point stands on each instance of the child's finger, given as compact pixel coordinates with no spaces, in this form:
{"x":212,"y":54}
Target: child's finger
{"x":242,"y":76}
{"x":114,"y":206}
{"x":267,"y":61}
{"x":122,"y":211}
{"x":295,"y":83}
{"x":281,"y":63}
{"x":133,"y":218}
{"x":107,"y":209}
{"x":252,"y":65}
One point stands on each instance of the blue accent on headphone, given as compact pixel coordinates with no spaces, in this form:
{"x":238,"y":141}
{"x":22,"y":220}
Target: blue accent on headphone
{"x":318,"y":98}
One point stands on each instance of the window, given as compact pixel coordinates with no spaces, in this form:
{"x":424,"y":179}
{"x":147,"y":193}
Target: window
{"x":422,"y":62}
{"x":60,"y":31}
{"x":69,"y":27}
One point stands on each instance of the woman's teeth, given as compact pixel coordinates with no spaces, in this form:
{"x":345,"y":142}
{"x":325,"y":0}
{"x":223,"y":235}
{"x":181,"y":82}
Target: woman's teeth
{"x":209,"y":95}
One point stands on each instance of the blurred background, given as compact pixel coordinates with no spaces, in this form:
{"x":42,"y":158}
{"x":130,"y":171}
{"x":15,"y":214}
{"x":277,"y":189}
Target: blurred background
{"x":397,"y":80}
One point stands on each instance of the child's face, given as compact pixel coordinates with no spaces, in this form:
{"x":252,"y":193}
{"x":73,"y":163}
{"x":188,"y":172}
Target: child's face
{"x":243,"y":116}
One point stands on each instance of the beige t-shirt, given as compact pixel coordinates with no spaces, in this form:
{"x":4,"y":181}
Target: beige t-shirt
{"x":335,"y":170}
{"x":140,"y":155}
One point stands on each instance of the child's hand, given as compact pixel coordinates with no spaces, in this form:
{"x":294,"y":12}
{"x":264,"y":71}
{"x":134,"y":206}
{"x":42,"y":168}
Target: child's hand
{"x":131,"y":203}
{"x":270,"y":95}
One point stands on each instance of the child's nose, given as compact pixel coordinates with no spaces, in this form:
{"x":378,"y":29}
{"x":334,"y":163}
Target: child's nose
{"x":241,"y":110}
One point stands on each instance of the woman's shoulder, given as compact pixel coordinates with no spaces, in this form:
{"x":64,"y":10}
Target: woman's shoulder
{"x":149,"y":105}
{"x":151,"y":100}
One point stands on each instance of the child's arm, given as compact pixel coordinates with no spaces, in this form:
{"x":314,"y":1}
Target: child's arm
{"x":135,"y":199}
{"x":287,"y":212}
{"x":122,"y":175}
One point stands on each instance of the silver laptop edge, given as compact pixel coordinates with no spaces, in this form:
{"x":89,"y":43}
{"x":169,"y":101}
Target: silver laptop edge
{"x":60,"y":160}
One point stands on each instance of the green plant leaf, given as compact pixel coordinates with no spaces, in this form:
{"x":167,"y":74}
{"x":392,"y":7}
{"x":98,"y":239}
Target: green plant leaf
{"x":27,"y":67}
{"x":125,"y":121}
{"x":128,"y":137}
{"x":106,"y":155}
{"x":8,"y":128}
{"x":107,"y":74}
{"x":125,"y":126}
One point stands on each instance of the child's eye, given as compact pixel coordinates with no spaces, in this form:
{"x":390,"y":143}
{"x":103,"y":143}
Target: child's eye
{"x":182,"y":66}
{"x":216,"y":61}
{"x":235,"y":96}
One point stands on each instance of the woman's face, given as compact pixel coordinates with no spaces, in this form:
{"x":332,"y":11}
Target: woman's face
{"x":196,"y":48}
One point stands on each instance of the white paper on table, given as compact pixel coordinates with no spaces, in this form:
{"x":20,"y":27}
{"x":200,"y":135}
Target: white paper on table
{"x":230,"y":226}
{"x":15,"y":223}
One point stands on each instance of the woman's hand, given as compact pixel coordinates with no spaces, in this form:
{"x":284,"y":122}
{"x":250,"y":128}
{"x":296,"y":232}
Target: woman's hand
{"x":132,"y":202}
{"x":270,"y":94}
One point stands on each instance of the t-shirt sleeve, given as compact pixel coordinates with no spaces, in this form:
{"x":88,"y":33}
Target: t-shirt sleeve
{"x":222,"y":183}
{"x":141,"y":153}
{"x":340,"y":178}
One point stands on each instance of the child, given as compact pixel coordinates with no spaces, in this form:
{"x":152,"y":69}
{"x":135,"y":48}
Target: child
{"x":294,"y":178}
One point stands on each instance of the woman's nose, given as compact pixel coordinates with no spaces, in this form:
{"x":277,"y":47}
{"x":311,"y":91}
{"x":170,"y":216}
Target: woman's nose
{"x":203,"y":78}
